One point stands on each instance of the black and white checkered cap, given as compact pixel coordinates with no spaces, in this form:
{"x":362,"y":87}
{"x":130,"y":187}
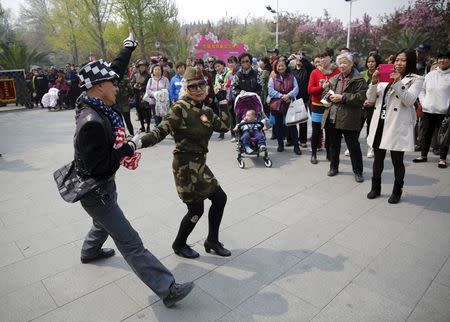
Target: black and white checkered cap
{"x":95,"y":72}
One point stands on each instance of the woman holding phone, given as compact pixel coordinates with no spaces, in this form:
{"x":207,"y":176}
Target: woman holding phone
{"x":394,"y":117}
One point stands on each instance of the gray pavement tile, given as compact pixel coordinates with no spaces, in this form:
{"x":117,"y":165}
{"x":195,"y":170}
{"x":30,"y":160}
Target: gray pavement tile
{"x":137,"y":290}
{"x":437,"y":242}
{"x":292,"y":209}
{"x":369,"y":234}
{"x":437,"y":222}
{"x":402,"y":273}
{"x":36,"y":268}
{"x":25,"y":229}
{"x":443,"y":276}
{"x":26,"y":304}
{"x":185,"y":269}
{"x":403,"y":212}
{"x":434,"y":306}
{"x":272,"y":304}
{"x":53,"y":238}
{"x":107,"y":304}
{"x":319,"y":278}
{"x":9,"y":253}
{"x":355,"y":257}
{"x":357,"y":303}
{"x":305,"y":236}
{"x":249,"y":233}
{"x":82,"y":279}
{"x":198,"y":306}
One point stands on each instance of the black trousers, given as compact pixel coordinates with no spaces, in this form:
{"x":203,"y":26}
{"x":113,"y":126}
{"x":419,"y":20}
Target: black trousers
{"x":280,"y":129}
{"x":127,"y":119}
{"x":397,"y":161}
{"x":195,"y":212}
{"x":430,"y":122}
{"x":352,"y":140}
{"x":366,"y":117}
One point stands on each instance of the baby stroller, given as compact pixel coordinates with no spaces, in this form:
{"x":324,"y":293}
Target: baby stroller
{"x":244,"y":102}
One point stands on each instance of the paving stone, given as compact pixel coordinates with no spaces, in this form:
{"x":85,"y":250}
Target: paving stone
{"x":319,"y":278}
{"x":369,"y":234}
{"x":402,"y":273}
{"x":85,"y":278}
{"x":34,"y":269}
{"x":434,"y":306}
{"x":198,"y":306}
{"x":357,"y":303}
{"x":9,"y":253}
{"x":272,"y":304}
{"x":26,"y":304}
{"x":107,"y":304}
{"x":53,"y":238}
{"x":443,"y":276}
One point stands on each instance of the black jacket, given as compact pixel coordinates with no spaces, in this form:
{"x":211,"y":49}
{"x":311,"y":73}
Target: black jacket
{"x":302,"y":76}
{"x":95,"y":156}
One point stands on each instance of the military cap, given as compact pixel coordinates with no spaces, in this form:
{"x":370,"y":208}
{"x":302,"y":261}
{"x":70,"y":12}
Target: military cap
{"x":193,"y":73}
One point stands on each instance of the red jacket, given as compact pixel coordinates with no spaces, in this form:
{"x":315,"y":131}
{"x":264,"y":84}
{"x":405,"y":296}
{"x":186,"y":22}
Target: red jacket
{"x":314,"y":88}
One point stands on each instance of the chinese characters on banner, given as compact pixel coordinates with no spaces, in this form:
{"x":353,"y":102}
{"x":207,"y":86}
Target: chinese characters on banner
{"x":210,"y":46}
{"x":7,"y":90}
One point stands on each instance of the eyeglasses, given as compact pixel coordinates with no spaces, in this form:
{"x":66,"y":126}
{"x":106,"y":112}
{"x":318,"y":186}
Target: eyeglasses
{"x":245,"y":61}
{"x":197,"y":86}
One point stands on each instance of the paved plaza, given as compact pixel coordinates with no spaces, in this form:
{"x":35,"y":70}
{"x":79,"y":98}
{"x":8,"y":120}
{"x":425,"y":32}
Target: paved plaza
{"x":306,"y":247}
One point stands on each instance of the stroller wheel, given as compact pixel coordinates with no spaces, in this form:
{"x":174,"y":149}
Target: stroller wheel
{"x":241,"y":164}
{"x":268,"y":163}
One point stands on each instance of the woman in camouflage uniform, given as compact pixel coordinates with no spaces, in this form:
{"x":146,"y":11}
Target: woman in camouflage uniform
{"x":191,"y":124}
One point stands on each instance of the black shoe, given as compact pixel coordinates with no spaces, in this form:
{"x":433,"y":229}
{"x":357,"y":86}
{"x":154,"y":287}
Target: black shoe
{"x":221,"y":136}
{"x":303,"y":145}
{"x":177,"y":293}
{"x":375,"y":191}
{"x":185,"y":251}
{"x":297,"y":150}
{"x":280,"y":148}
{"x":396,"y":193}
{"x":420,"y":159}
{"x":359,"y":177}
{"x":104,"y":253}
{"x":289,"y":143}
{"x":332,"y":172}
{"x":314,"y":159}
{"x":217,"y":247}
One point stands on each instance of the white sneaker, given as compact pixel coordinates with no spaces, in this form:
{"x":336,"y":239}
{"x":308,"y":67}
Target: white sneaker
{"x":233,"y":139}
{"x":347,"y":153}
{"x":370,"y":153}
{"x":248,"y":150}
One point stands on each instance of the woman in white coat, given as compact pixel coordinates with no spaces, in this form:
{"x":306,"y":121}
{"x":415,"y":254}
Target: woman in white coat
{"x":392,"y":125}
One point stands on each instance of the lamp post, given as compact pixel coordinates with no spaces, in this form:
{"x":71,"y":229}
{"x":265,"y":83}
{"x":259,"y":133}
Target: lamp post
{"x":276,"y":22}
{"x":349,"y":22}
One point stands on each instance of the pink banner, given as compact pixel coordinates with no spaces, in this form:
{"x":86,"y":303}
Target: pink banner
{"x":210,"y":46}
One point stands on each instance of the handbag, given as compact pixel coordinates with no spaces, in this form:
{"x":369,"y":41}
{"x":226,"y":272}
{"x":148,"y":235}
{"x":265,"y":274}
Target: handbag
{"x":443,"y":137}
{"x":296,"y":113}
{"x":71,"y":186}
{"x":275,"y":104}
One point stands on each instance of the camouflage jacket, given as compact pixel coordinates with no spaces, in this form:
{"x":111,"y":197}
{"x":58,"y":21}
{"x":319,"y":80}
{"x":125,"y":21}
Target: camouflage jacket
{"x":191,"y":124}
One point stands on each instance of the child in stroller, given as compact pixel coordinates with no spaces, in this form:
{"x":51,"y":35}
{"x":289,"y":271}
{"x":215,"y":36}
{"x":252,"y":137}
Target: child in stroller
{"x":251,"y":134}
{"x":250,"y":131}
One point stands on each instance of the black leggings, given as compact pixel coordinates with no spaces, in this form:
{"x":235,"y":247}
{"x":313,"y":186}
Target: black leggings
{"x":127,"y":119}
{"x":195,"y":212}
{"x":397,"y":161}
{"x":315,"y":136}
{"x":429,"y":124}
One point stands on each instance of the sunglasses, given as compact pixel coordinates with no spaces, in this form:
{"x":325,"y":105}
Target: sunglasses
{"x":210,"y":61}
{"x":197,"y":86}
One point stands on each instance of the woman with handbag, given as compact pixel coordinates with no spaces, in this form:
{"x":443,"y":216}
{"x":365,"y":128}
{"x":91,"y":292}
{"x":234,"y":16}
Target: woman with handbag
{"x":435,"y":100}
{"x":283,"y":89}
{"x":394,"y":117}
{"x":156,"y":83}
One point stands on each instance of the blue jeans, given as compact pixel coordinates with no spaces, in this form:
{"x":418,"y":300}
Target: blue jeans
{"x":247,"y":135}
{"x":109,"y":220}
